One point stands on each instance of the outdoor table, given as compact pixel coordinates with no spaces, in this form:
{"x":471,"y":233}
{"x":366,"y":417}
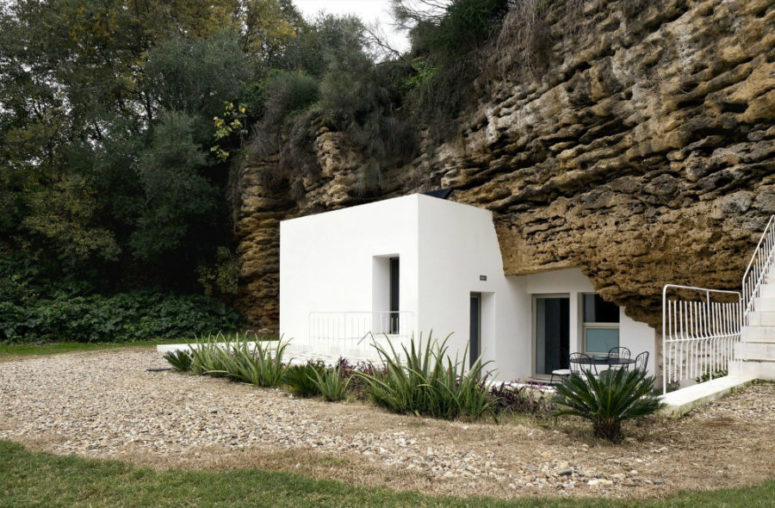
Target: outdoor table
{"x":603,"y":359}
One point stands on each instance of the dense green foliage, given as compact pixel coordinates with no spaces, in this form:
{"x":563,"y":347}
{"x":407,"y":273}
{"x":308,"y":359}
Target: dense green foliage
{"x":122,"y":125}
{"x":607,"y":400}
{"x":424,"y":380}
{"x":123,"y":317}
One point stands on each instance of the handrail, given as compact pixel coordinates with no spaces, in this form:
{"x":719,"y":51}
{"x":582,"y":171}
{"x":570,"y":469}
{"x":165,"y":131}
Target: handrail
{"x":354,"y":326}
{"x":758,"y":268}
{"x":698,"y":337}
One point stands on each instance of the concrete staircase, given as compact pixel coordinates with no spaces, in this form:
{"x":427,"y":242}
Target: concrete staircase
{"x":755,"y":353}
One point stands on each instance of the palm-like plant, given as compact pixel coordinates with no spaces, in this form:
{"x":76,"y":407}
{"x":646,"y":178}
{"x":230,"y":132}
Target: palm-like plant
{"x":607,"y":400}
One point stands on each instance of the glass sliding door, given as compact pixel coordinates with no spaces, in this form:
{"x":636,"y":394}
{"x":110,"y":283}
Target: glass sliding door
{"x":551,"y":318}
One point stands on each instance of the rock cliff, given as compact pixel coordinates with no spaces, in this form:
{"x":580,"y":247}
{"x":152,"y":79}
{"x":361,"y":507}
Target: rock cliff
{"x":644,"y":153}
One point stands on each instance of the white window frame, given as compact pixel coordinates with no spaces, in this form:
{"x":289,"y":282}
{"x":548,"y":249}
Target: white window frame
{"x":587,"y":325}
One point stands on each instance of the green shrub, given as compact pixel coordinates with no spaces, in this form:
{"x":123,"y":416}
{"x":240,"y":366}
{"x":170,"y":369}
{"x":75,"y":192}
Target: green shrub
{"x":180,"y":360}
{"x":258,"y":364}
{"x":300,"y":379}
{"x":122,"y":317}
{"x":426,"y":381}
{"x":331,"y":383}
{"x":607,"y":400}
{"x":466,"y":24}
{"x":211,"y":358}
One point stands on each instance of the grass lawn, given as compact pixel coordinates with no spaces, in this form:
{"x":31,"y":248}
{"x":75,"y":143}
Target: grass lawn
{"x":28,"y":478}
{"x":67,"y":347}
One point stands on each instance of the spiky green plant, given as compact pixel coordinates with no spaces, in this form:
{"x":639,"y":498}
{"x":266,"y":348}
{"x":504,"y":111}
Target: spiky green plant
{"x":331,"y":384}
{"x":425,"y":380}
{"x":180,"y":359}
{"x":300,"y":379}
{"x":607,"y":400}
{"x":258,"y":364}
{"x":210,"y":357}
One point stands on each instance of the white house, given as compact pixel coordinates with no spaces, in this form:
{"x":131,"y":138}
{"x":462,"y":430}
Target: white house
{"x":418,"y":263}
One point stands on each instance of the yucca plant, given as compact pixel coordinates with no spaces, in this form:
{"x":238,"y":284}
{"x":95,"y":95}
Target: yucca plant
{"x":258,"y":365}
{"x":180,"y":360}
{"x":331,"y":384}
{"x":300,"y":379}
{"x":425,"y":380}
{"x":210,"y":357}
{"x":607,"y":400}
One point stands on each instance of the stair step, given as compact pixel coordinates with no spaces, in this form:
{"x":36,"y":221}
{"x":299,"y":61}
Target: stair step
{"x":767,"y":290}
{"x":753,"y":368}
{"x":765,"y":304}
{"x":762,"y":318}
{"x":760,"y":351}
{"x":758,"y":333}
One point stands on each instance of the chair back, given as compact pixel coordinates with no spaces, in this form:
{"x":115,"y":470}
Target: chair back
{"x":642,"y":361}
{"x":580,"y":362}
{"x":619,"y":352}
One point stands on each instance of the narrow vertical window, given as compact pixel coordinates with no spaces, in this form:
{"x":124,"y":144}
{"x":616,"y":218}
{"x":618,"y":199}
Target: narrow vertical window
{"x":394,"y":291}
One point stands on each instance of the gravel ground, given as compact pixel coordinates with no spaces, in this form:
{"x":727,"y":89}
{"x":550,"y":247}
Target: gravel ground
{"x":109,"y":405}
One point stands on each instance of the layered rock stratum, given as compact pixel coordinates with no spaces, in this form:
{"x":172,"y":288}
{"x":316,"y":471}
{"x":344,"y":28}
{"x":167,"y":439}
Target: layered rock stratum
{"x":644,"y":154}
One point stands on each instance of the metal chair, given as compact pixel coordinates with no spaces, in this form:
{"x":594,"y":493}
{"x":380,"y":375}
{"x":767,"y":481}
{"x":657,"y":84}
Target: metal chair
{"x":619,"y":352}
{"x":563,"y":373}
{"x":580,"y":362}
{"x":642,"y":361}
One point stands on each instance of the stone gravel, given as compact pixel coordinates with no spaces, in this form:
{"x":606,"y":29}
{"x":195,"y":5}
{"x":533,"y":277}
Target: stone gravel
{"x":118,"y":404}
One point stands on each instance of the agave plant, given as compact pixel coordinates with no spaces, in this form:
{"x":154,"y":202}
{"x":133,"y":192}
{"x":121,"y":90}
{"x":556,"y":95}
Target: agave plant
{"x":331,"y":383}
{"x":210,"y":357}
{"x":258,"y":365}
{"x":425,"y":380}
{"x":180,"y":360}
{"x":300,"y":379}
{"x":607,"y":400}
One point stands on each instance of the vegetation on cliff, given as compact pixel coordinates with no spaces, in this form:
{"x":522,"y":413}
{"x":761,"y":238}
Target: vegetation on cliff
{"x":120,"y":123}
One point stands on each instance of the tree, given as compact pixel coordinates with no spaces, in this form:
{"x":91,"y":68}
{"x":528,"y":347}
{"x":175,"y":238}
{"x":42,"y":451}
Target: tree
{"x":180,"y":204}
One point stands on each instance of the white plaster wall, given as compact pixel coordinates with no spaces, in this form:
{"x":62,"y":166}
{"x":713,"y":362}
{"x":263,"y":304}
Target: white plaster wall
{"x":326,"y":260}
{"x":457,"y":244}
{"x":327,"y":264}
{"x":638,"y":337}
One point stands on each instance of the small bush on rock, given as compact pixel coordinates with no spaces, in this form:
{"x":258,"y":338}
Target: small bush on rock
{"x":607,"y":400}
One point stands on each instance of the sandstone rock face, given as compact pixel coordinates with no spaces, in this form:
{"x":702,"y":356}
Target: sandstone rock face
{"x":644,"y":155}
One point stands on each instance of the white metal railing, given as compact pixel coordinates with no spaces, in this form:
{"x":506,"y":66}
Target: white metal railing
{"x":700,"y":328}
{"x":758,"y":269}
{"x":356,"y":326}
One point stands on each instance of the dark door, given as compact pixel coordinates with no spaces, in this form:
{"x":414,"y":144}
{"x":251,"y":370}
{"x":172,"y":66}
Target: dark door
{"x":394,"y":303}
{"x":475,"y":333}
{"x":552,"y":333}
